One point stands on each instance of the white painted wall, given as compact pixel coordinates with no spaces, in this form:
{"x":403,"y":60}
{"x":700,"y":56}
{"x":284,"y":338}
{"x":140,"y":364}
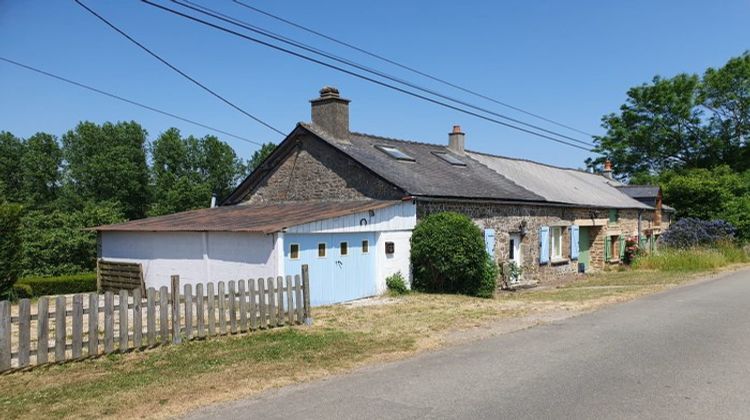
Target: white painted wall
{"x":398,"y":261}
{"x":198,"y":257}
{"x":400,"y":216}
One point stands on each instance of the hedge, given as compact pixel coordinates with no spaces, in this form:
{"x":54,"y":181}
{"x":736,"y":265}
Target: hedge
{"x":45,"y":286}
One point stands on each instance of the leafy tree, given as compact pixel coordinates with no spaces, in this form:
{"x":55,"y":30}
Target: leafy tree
{"x":40,"y":169}
{"x":186,"y":171}
{"x":108,"y":162}
{"x":55,"y":242}
{"x":658,"y":128}
{"x":681,"y":122}
{"x":705,"y":194}
{"x":11,"y":153}
{"x":725,"y":93}
{"x":10,"y":245}
{"x":260,"y":155}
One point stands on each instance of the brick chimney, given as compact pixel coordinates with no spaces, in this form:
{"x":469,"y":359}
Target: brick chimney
{"x":607,"y":169}
{"x":456,"y":140}
{"x":331,"y":112}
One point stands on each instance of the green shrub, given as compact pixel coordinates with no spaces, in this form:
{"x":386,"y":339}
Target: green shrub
{"x":10,"y":246}
{"x":489,"y":281}
{"x":448,"y":255}
{"x":45,"y":286}
{"x":396,"y":284}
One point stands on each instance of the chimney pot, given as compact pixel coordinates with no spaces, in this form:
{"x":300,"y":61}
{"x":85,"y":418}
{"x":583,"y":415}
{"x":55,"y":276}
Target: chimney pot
{"x":456,"y":140}
{"x":331,"y":112}
{"x":607,"y":169}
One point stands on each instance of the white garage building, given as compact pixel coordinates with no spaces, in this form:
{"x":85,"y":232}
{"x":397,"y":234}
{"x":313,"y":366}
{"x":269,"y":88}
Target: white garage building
{"x":350,"y":247}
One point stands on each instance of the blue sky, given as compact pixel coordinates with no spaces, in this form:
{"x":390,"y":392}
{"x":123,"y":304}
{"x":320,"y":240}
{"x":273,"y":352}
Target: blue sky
{"x":570,"y":61}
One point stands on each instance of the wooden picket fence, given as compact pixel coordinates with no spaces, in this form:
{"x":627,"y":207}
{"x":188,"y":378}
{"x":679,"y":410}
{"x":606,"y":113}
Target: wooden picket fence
{"x":73,"y":329}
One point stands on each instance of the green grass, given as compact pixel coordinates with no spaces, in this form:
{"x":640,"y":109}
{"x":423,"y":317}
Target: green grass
{"x":109,"y":386}
{"x":692,"y":260}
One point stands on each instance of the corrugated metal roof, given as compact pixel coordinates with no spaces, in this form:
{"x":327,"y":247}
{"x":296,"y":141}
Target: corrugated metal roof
{"x":428,"y":174}
{"x":560,"y":185}
{"x":257,"y":218}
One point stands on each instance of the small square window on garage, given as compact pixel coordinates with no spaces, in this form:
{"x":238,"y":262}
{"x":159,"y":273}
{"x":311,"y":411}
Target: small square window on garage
{"x":294,"y":251}
{"x":322,"y":249}
{"x":390,"y":248}
{"x":365,"y":246}
{"x":344,"y":248}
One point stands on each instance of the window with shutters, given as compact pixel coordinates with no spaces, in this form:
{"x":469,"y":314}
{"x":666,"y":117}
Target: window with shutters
{"x":612,"y":249}
{"x":556,"y":243}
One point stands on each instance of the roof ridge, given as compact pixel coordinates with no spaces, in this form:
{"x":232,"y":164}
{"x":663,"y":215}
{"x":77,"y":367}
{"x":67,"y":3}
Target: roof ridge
{"x":375,"y":136}
{"x":534,"y":162}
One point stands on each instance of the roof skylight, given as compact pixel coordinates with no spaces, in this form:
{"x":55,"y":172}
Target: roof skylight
{"x":395,"y":153}
{"x":449,"y":158}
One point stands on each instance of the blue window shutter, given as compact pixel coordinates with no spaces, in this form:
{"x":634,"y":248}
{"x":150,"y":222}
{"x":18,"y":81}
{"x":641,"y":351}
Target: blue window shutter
{"x":573,"y":242}
{"x":607,"y":248}
{"x":489,"y":242}
{"x":544,"y":245}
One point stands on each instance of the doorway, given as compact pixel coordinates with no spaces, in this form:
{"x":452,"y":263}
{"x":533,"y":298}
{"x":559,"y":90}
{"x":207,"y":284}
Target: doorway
{"x":584,"y":247}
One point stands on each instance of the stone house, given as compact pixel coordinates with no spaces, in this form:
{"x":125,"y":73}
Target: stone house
{"x":549,"y":220}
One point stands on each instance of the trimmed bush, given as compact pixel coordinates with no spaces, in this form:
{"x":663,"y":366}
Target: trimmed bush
{"x":448,"y":256}
{"x":45,"y":286}
{"x":396,"y":284}
{"x":10,"y":246}
{"x":690,"y":232}
{"x":489,"y":280}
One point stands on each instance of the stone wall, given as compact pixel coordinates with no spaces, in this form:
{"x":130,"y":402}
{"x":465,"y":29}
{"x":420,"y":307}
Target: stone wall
{"x":315,"y":170}
{"x":506,"y":219}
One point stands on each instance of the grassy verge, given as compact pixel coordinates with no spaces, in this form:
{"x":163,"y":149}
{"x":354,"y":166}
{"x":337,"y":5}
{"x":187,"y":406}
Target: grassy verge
{"x":694,"y":260}
{"x":170,"y":380}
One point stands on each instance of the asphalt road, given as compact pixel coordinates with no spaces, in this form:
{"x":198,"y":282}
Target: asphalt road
{"x":684,"y":353}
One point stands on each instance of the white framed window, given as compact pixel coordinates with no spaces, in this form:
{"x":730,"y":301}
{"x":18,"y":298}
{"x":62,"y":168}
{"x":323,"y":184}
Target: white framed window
{"x":293,"y":251}
{"x":556,"y":242}
{"x":344,"y":249}
{"x":365,"y":246}
{"x":322,"y":249}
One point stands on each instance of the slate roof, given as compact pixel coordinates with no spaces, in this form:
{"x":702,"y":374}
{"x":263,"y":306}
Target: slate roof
{"x":561,"y":185}
{"x":646,"y":194}
{"x":257,"y":218}
{"x":484,"y":176}
{"x":428,"y":175}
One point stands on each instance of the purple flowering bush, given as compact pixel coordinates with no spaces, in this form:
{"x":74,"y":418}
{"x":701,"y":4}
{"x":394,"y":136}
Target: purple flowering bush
{"x":691,"y":232}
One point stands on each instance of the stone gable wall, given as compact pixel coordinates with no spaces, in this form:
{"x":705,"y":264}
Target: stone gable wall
{"x":316,"y":171}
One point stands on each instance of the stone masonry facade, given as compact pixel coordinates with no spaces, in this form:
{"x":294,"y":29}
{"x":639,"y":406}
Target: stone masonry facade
{"x":507,"y":219}
{"x":316,"y":171}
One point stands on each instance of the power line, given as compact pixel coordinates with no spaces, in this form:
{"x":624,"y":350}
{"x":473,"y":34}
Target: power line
{"x":411,"y":69}
{"x":130,"y":101}
{"x":360,"y":76}
{"x":183,"y":74}
{"x":229,"y":19}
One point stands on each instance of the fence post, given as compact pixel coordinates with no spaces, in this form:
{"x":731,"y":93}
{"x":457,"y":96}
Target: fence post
{"x":42,"y":330}
{"x":24,"y":332}
{"x":176,"y":339}
{"x":93,"y":324}
{"x":60,"y":332}
{"x":306,"y":292}
{"x":5,"y":335}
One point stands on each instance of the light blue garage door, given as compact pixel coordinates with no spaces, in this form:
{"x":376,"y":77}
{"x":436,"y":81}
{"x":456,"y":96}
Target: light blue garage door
{"x":342,"y":265}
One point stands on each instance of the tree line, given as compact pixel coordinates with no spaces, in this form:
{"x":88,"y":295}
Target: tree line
{"x":53,"y":188}
{"x":690,"y":134}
